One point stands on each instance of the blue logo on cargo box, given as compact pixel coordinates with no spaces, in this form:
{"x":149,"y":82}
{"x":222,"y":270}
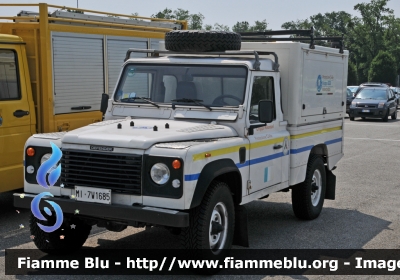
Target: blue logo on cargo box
{"x":319,"y":83}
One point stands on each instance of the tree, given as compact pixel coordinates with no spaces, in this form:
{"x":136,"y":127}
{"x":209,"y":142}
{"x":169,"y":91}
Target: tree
{"x":328,"y":24}
{"x":352,"y":75}
{"x":367,"y":34}
{"x":195,"y":21}
{"x":383,"y":68}
{"x":244,"y":26}
{"x":166,"y":13}
{"x":217,"y":27}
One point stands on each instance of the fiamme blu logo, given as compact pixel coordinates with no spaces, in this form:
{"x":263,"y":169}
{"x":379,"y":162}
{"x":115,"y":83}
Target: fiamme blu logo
{"x":47,"y":175}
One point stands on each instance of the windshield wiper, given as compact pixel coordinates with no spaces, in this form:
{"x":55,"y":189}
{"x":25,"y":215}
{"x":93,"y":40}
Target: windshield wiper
{"x":195,"y":101}
{"x":141,"y":98}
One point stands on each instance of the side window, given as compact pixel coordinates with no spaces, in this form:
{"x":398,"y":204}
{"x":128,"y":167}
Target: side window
{"x":9,"y":88}
{"x":136,"y":84}
{"x":263,"y":89}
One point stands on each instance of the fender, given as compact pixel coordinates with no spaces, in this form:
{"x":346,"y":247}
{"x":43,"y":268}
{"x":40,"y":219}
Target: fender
{"x":211,"y":171}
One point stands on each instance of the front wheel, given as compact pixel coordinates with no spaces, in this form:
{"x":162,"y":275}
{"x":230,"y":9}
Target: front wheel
{"x":212,"y":223}
{"x":386,"y":117}
{"x":308,"y":197}
{"x":394,"y":115}
{"x":69,"y":238}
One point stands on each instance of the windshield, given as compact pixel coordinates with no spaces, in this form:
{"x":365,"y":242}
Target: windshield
{"x":369,"y":93}
{"x":349,"y":93}
{"x":183,"y":84}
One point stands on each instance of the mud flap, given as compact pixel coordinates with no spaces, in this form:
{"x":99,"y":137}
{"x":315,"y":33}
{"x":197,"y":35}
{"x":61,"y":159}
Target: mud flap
{"x":240,"y":235}
{"x":330,"y":185}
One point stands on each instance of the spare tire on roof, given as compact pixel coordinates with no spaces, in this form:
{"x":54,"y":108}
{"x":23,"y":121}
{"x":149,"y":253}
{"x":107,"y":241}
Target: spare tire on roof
{"x":201,"y":41}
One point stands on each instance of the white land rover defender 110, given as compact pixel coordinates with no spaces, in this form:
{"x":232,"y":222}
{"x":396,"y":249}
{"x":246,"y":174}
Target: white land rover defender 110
{"x":194,"y":133}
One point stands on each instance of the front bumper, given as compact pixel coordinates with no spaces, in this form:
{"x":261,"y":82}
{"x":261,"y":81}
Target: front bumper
{"x":373,"y":112}
{"x":121,"y":213}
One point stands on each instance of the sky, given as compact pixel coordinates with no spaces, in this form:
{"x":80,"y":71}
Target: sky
{"x":226,"y":12}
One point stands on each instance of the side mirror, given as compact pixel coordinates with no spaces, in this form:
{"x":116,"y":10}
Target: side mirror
{"x":104,"y":103}
{"x":265,"y":111}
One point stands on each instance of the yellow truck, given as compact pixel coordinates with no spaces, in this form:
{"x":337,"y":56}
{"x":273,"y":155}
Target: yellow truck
{"x":55,"y":64}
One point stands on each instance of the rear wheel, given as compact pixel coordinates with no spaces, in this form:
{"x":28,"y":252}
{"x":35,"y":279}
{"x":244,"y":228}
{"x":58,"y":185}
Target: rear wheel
{"x":212,"y":223}
{"x":308,"y":197}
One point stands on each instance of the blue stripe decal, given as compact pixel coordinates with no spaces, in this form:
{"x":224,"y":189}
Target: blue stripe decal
{"x":240,"y":165}
{"x":333,"y":141}
{"x":194,"y":177}
{"x":259,"y":160}
{"x":300,"y":150}
{"x":267,"y":158}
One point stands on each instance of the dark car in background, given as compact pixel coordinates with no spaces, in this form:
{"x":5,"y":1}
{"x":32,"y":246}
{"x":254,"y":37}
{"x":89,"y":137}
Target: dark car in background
{"x":374,"y":102}
{"x":353,"y":89}
{"x":370,"y":84}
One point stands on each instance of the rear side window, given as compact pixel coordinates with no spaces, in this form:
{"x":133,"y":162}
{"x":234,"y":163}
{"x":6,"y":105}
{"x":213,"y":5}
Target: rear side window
{"x":9,"y":87}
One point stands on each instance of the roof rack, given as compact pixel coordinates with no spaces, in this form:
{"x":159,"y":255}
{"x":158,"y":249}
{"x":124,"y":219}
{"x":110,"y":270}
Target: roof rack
{"x":256,"y":65}
{"x":262,"y":37}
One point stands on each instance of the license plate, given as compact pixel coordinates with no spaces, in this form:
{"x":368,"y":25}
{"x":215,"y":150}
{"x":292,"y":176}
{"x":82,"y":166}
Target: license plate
{"x":93,"y":195}
{"x":365,"y":111}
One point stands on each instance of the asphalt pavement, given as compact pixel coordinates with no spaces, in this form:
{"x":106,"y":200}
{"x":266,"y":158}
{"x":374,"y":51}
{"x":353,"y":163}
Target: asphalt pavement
{"x":365,"y":214}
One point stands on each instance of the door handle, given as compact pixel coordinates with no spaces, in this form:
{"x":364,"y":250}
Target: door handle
{"x":81,"y":108}
{"x":20,"y":113}
{"x":276,"y":147}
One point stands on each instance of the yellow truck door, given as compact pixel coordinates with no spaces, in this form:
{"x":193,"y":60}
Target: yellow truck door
{"x":15,"y":114}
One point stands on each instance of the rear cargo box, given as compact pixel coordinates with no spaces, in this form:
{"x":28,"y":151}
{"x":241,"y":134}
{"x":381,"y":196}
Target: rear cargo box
{"x":313,"y":81}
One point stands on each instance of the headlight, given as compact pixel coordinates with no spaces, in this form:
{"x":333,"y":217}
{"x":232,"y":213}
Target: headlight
{"x":381,"y":104}
{"x":353,"y":104}
{"x":160,"y":173}
{"x":44,"y":158}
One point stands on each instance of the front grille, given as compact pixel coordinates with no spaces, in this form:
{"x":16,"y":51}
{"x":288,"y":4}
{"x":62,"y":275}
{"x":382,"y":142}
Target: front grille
{"x":367,"y":105}
{"x":119,"y":172}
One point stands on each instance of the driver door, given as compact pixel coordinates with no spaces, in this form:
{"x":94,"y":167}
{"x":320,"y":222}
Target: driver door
{"x":268,"y":142}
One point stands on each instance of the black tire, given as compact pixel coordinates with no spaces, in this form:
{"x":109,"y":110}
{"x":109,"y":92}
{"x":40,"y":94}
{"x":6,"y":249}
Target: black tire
{"x":304,"y":207}
{"x":363,"y":118}
{"x":394,"y":115}
{"x":197,"y":235}
{"x":201,"y":41}
{"x":386,"y":118}
{"x":51,"y":243}
{"x":352,"y":118}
